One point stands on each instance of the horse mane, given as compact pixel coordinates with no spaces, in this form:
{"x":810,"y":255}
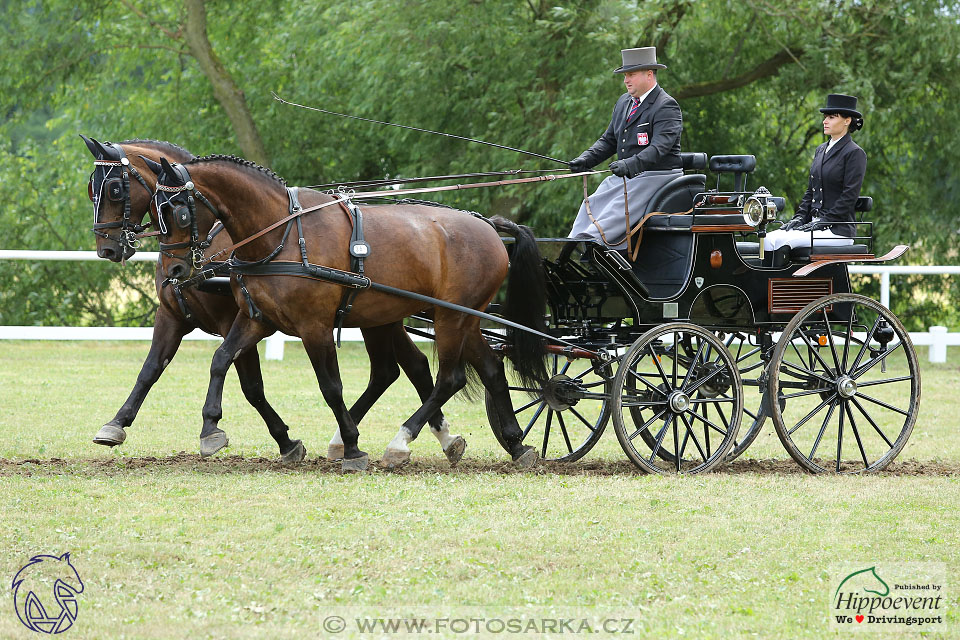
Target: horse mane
{"x":158,"y":143}
{"x":242,"y":162}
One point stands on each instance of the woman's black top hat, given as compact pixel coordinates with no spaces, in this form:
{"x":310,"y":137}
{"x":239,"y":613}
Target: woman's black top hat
{"x":844,"y":105}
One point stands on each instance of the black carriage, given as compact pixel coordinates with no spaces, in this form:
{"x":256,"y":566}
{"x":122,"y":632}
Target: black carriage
{"x":700,"y":338}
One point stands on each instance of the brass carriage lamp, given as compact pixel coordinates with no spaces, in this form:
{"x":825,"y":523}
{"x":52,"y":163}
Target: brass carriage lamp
{"x":760,"y":209}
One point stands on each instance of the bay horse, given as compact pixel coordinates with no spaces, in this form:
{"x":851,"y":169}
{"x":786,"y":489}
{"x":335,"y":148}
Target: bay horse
{"x":120,"y":205}
{"x":423,"y":249}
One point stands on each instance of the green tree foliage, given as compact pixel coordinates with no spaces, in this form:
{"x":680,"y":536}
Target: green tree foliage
{"x":749,"y":75}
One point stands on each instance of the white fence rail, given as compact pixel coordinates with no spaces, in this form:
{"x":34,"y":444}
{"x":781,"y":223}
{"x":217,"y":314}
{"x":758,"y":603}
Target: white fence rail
{"x":938,"y":338}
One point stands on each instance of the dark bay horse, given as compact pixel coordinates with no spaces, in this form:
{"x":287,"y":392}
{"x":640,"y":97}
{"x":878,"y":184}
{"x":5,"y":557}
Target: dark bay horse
{"x":433,"y":251}
{"x":119,"y":210}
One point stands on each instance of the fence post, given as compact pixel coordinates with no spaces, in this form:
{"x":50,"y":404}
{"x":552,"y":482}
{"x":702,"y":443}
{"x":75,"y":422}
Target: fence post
{"x":938,"y":344}
{"x":275,"y":347}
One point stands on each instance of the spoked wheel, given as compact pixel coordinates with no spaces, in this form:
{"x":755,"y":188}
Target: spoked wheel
{"x":750,"y":365}
{"x":566,"y":417}
{"x":847,"y":384}
{"x":674,"y":412}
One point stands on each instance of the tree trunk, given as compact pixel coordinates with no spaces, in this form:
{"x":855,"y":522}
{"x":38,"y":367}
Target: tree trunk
{"x":227,"y":92}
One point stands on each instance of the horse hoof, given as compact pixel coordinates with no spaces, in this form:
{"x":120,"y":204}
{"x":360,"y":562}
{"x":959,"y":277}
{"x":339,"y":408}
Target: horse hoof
{"x":527,"y":459}
{"x":213,"y":443}
{"x":110,"y":435}
{"x":455,"y":449}
{"x":335,"y":452}
{"x":393,"y":459}
{"x":295,"y":455}
{"x":356,"y":464}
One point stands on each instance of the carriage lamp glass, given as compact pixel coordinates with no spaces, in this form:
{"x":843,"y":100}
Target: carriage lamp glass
{"x":760,"y":207}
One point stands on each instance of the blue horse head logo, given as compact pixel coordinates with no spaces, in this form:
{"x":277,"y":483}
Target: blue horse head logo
{"x":45,"y":593}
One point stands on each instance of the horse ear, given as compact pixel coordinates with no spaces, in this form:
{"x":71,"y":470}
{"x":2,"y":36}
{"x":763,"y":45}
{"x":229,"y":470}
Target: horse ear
{"x":90,"y":146}
{"x":167,"y":168}
{"x":101,"y":149}
{"x":153,"y":166}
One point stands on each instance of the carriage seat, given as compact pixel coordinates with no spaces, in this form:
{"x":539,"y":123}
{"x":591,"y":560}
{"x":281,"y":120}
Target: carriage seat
{"x":664,"y":261}
{"x":693,"y":160}
{"x":803,"y":254}
{"x":733,"y":164}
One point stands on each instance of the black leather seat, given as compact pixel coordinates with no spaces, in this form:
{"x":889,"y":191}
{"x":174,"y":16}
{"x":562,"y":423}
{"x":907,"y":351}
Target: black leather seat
{"x":693,"y":160}
{"x":665,"y":256}
{"x":805,"y":253}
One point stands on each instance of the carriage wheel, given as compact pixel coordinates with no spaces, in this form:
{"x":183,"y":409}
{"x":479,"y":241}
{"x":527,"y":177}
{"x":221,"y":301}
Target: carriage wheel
{"x":846,"y":403}
{"x":750,"y":366}
{"x":673,"y":402}
{"x":566,"y":417}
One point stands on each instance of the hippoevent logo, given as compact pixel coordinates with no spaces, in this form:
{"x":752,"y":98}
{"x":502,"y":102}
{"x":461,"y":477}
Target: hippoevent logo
{"x":889,"y":597}
{"x":45,"y":593}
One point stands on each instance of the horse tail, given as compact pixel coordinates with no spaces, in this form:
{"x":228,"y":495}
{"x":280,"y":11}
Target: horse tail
{"x":525,"y":304}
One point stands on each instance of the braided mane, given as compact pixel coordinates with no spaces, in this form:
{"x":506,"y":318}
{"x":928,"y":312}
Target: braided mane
{"x":241,"y":162}
{"x":161,"y":143}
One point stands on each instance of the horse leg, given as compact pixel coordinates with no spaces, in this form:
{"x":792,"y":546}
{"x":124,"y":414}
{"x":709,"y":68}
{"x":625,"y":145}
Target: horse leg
{"x":417,"y":367}
{"x":168,"y":331}
{"x":323,"y":356}
{"x":490,"y":369}
{"x":251,"y":381}
{"x":243,"y":335}
{"x":378,"y":341}
{"x":451,"y":377}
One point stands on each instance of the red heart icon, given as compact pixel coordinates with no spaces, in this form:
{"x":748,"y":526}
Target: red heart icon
{"x":859,"y":618}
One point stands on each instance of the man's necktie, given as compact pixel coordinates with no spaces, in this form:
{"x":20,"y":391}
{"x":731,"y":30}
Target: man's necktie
{"x":633,"y":110}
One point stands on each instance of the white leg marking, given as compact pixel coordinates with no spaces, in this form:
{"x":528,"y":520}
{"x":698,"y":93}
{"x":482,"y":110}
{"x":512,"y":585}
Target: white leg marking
{"x":335,"y":448}
{"x":401,"y":441}
{"x":336,"y":439}
{"x":443,"y":434}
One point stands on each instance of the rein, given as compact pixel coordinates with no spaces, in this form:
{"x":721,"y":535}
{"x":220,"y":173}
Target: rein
{"x":342,"y":198}
{"x":456,"y":176}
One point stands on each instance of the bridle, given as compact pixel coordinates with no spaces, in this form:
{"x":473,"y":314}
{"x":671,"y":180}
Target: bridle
{"x":184,"y":215}
{"x":117,"y":189}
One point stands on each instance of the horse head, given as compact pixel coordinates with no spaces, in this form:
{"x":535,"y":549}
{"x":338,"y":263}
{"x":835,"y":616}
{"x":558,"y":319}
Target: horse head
{"x":174,"y":208}
{"x":118,"y":203}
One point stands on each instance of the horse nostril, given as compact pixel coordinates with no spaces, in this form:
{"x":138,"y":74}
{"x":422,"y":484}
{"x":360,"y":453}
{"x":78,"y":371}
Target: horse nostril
{"x":107,"y":253}
{"x":177,"y":271}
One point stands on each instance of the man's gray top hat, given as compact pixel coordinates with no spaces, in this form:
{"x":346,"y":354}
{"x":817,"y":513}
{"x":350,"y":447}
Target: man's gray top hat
{"x":636,"y":59}
{"x":844,"y":105}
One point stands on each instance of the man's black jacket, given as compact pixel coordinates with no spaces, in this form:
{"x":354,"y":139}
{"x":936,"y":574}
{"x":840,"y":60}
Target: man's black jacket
{"x":650,"y":140}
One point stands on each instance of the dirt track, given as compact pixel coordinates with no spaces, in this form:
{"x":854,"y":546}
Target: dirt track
{"x":232,"y":464}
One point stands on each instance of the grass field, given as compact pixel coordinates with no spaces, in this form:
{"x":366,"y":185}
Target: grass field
{"x":169,"y":546}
